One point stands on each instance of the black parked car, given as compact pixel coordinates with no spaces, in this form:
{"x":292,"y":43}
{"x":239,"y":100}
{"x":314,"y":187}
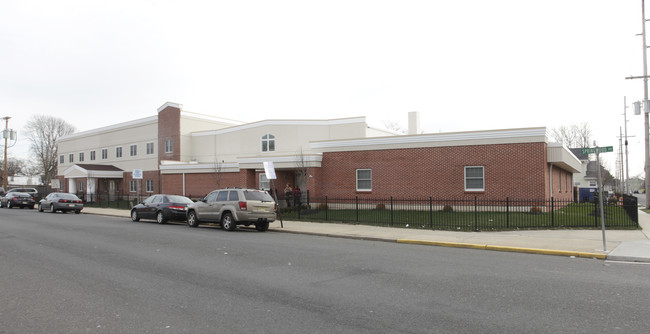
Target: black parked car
{"x":162,"y":208}
{"x":16,"y":199}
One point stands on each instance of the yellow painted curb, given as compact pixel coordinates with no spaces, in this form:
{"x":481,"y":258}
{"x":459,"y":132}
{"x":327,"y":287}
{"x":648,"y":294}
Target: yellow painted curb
{"x":505,"y":248}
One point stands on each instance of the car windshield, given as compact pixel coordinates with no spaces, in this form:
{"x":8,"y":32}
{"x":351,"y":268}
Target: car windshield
{"x":20,"y":194}
{"x":179,"y":199}
{"x":258,"y":196}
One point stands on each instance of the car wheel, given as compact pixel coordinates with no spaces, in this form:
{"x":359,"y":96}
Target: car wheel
{"x":40,"y":208}
{"x":227,"y":222}
{"x":134,"y":216}
{"x":77,"y":211}
{"x":52,"y":208}
{"x":160,"y":218}
{"x":192,"y":219}
{"x":262,"y":226}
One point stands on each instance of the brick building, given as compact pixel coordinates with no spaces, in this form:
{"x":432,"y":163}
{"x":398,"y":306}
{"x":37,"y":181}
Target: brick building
{"x":190,"y":154}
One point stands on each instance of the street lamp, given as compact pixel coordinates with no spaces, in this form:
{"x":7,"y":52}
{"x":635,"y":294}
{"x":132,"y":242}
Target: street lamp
{"x":7,"y":134}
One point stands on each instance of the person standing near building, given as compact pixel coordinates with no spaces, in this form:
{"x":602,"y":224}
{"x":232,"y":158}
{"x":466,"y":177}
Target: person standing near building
{"x":287,"y":194}
{"x":296,"y":196}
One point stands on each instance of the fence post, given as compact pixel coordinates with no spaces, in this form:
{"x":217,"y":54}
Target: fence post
{"x":475,"y":213}
{"x":391,"y":210}
{"x":356,"y":202}
{"x":552,"y":211}
{"x":308,"y":207}
{"x":595,"y":213}
{"x":326,"y":208}
{"x":507,"y":212}
{"x":431,"y":212}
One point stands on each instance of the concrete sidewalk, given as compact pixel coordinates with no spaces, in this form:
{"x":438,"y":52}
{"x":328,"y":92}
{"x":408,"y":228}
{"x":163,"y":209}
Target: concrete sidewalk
{"x":622,"y":245}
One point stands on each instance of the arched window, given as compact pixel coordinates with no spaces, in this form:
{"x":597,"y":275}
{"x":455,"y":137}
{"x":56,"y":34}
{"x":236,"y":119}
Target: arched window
{"x":268,"y":143}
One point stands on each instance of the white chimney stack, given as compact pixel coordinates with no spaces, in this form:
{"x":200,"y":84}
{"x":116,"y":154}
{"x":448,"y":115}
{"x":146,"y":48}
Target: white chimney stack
{"x":414,"y":123}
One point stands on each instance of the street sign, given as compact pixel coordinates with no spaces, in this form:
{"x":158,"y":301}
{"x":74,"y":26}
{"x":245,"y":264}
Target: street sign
{"x":269,"y":170}
{"x":137,"y":174}
{"x":591,"y":150}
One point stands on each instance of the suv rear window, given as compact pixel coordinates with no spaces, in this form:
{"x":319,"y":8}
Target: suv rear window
{"x":257,"y":196}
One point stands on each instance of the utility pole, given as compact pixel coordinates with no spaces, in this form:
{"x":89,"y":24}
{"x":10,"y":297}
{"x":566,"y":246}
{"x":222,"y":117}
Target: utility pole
{"x":627,"y":164}
{"x":646,"y":106}
{"x":5,"y":134}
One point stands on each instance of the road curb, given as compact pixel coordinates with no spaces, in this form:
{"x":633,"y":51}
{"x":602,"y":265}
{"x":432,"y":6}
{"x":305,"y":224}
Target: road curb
{"x":505,"y":248}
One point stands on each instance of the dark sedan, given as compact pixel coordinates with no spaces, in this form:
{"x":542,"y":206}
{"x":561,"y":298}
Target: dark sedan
{"x":162,"y":208}
{"x":16,"y":199}
{"x":63,"y":202}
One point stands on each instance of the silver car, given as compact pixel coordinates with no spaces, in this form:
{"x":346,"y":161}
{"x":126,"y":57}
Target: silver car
{"x":63,"y":202}
{"x":234,"y":206}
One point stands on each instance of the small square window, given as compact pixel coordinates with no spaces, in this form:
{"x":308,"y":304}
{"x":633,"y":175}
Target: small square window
{"x":364,"y":179}
{"x":268,"y":143}
{"x":133,"y":186}
{"x":474,"y":178}
{"x":149,"y":186}
{"x":149,"y":148}
{"x":118,"y":152}
{"x":71,"y":157}
{"x":133,"y":150}
{"x":104,"y":154}
{"x":92,"y":155}
{"x":61,"y":159}
{"x":169,"y":146}
{"x":265,"y":184}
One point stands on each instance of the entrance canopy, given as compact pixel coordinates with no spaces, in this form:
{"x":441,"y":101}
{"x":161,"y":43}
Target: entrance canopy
{"x":93,"y":171}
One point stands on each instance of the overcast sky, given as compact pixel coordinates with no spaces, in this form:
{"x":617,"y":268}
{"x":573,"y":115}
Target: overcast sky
{"x":464,"y":65}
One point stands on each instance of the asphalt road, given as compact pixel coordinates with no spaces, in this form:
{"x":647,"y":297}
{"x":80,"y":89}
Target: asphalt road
{"x":67,"y":273}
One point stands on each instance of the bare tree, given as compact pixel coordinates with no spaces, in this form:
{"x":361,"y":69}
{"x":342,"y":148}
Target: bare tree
{"x":44,"y":132}
{"x":574,"y":136}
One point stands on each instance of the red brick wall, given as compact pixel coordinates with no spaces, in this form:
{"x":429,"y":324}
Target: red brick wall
{"x":169,"y":127}
{"x":153,"y":175}
{"x":511,"y":170}
{"x":562,"y":184}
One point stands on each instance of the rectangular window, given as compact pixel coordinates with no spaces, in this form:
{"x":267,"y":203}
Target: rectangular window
{"x":81,"y":156}
{"x":118,"y":152}
{"x":104,"y":153}
{"x":364,"y":179}
{"x":133,"y":186}
{"x":133,"y":150}
{"x":474,"y":178}
{"x":149,"y":148}
{"x":92,"y":155}
{"x":169,"y":146}
{"x":81,"y":187}
{"x":149,"y":186}
{"x":61,"y":159}
{"x":71,"y":157}
{"x":265,"y":184}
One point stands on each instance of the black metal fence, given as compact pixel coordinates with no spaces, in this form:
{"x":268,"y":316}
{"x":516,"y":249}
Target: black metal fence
{"x":466,"y":214}
{"x":469,"y":214}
